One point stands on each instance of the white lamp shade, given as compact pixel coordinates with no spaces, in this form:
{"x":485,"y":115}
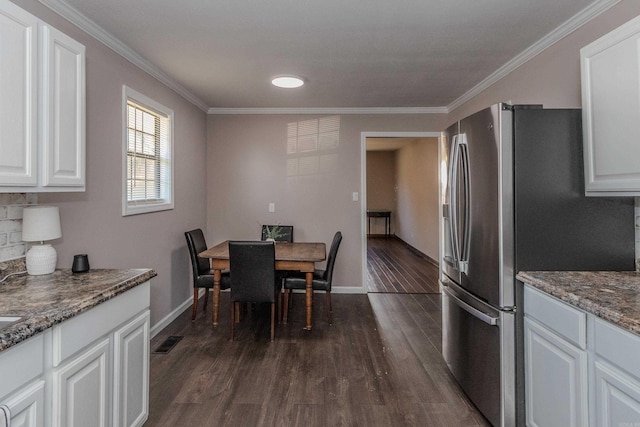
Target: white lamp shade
{"x":40,"y":223}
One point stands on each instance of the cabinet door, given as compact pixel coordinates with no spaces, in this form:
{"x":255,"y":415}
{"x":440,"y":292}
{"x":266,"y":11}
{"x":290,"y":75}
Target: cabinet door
{"x":131,"y":373}
{"x":18,"y":96}
{"x":617,"y":397}
{"x":27,"y":406}
{"x":555,"y":379}
{"x":63,"y":110}
{"x":81,"y":389}
{"x":610,"y":102}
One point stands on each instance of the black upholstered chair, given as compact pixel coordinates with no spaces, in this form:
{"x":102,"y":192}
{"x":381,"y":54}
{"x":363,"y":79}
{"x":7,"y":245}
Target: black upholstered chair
{"x":321,"y":279}
{"x":283,"y":233}
{"x":253,"y":277}
{"x":202,"y":273}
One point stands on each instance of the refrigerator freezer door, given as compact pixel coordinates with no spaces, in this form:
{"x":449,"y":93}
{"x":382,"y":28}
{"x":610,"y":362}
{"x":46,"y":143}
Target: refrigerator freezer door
{"x":477,"y":354}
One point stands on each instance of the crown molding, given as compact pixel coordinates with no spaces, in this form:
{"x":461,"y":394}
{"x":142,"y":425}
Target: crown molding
{"x":81,"y":21}
{"x":329,"y":110}
{"x":569,"y":26}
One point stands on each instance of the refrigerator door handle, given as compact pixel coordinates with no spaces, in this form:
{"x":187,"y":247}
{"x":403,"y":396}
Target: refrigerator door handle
{"x":453,"y":202}
{"x":489,"y":320}
{"x":464,"y":157}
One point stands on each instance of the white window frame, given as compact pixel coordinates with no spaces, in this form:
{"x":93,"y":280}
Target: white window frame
{"x":166,"y":203}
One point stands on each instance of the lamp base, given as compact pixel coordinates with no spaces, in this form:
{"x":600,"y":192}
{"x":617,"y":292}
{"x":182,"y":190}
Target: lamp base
{"x":41,"y":259}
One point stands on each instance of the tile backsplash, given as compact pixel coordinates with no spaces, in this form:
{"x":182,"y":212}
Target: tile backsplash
{"x":11,"y":204}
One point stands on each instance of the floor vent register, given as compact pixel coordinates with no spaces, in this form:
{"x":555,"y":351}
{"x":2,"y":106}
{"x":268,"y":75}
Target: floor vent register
{"x":167,"y":345}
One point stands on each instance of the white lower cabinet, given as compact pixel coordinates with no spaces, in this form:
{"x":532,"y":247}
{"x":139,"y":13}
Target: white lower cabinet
{"x":579,"y":369}
{"x":556,"y":372}
{"x":81,"y":389}
{"x":27,"y":406}
{"x":91,"y":370}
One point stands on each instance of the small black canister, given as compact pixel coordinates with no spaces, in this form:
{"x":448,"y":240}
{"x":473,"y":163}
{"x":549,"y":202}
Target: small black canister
{"x":80,"y":263}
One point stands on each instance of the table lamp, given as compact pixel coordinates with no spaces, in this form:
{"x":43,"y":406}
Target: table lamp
{"x":40,"y":223}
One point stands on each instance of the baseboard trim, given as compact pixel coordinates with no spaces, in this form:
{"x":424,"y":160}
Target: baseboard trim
{"x":338,"y":290}
{"x":173,"y":315}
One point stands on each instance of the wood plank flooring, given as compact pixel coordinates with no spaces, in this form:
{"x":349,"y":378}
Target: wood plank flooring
{"x":392,"y":267}
{"x":379,"y":364}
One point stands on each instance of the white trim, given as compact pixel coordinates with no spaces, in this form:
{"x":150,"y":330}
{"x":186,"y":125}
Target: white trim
{"x":354,"y":290}
{"x":363,"y":184}
{"x":173,"y":315}
{"x":329,"y":110}
{"x":137,"y":97}
{"x":74,"y":16}
{"x":569,"y":26}
{"x":81,"y":21}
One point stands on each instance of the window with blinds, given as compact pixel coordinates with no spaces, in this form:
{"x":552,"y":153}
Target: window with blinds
{"x":147,"y":155}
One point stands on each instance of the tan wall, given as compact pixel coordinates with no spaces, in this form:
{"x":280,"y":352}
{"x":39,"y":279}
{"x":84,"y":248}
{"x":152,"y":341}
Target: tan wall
{"x":381,"y":186}
{"x":247,"y":161}
{"x":552,"y":78}
{"x":92,"y":221}
{"x":416,"y":219}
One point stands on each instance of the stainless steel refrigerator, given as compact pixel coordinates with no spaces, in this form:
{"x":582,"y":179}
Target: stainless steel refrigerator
{"x":514,"y":201}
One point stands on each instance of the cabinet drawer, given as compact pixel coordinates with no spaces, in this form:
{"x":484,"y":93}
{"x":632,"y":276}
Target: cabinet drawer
{"x":564,"y":320}
{"x":618,"y":346}
{"x":21,"y":363}
{"x":73,"y":335}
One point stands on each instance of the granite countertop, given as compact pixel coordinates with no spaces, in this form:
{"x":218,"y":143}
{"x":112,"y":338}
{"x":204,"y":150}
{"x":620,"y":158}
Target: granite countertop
{"x":610,"y":295}
{"x":43,"y":301}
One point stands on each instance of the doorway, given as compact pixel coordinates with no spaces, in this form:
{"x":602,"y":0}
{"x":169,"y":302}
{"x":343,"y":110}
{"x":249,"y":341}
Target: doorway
{"x":400,"y":176}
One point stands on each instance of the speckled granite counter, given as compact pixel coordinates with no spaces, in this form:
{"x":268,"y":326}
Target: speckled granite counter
{"x":611,"y":295}
{"x":43,"y":301}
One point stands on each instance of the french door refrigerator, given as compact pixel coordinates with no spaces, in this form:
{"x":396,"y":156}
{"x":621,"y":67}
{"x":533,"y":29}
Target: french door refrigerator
{"x":513,"y":201}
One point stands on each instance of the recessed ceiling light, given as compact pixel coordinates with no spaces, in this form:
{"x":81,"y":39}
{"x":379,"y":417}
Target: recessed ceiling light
{"x":287,"y":82}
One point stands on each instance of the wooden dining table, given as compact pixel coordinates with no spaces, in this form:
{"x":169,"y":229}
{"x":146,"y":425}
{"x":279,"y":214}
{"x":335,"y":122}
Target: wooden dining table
{"x":297,"y":256}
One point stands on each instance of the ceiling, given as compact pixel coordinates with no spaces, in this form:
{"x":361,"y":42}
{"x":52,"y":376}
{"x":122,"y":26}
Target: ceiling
{"x":351,"y":53}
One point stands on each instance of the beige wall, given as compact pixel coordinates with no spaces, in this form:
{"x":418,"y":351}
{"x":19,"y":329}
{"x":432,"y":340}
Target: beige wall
{"x":92,"y":222}
{"x":552,"y":78}
{"x":381,"y":186}
{"x":416,"y":217}
{"x":247,"y":169}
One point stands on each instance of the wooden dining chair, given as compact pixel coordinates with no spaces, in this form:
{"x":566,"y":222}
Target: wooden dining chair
{"x":321,"y":280}
{"x":253,"y":277}
{"x":201,"y":268}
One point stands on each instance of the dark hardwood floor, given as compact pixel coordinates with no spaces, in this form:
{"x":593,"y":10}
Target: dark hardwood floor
{"x":379,"y":364}
{"x":392,"y":267}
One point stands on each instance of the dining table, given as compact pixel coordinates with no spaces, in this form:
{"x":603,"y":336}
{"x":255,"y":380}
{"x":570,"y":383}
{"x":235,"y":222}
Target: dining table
{"x":296,"y":256}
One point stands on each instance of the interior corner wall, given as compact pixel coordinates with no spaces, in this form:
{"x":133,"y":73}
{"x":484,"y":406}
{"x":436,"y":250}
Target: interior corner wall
{"x":417,"y":195}
{"x":552,"y":78}
{"x":92,"y":221}
{"x":381,"y":187}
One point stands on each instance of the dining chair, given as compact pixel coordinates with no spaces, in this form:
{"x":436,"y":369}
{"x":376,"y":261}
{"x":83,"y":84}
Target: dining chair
{"x":280,"y":233}
{"x":253,"y":277}
{"x":201,"y":267}
{"x":321,"y":279}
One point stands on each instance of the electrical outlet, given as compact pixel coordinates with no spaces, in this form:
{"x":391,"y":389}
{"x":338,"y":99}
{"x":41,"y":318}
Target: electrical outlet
{"x":272,"y":207}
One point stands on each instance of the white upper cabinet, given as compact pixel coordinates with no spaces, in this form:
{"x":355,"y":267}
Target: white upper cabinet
{"x":611,"y":112}
{"x":18,"y":96}
{"x":42,"y":106}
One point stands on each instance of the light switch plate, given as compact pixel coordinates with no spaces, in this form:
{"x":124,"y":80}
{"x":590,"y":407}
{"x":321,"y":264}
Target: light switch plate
{"x":355,"y":196}
{"x":272,"y":207}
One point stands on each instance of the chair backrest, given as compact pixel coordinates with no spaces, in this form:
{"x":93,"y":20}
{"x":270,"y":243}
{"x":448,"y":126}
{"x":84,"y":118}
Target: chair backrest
{"x":331,"y":259}
{"x":284,"y":232}
{"x":252,"y":267}
{"x":196,"y":244}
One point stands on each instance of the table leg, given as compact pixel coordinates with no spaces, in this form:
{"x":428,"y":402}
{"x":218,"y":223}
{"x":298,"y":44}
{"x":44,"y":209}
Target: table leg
{"x":309,"y":298}
{"x":216,"y":296}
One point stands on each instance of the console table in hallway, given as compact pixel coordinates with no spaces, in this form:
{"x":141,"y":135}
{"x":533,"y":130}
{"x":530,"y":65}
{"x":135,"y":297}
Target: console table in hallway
{"x":380,"y":213}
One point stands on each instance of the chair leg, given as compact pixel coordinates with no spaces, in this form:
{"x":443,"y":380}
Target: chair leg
{"x":273,"y":320}
{"x":285,"y":310}
{"x":329,"y":309}
{"x":206,"y":298}
{"x":195,"y":304}
{"x":233,"y":317}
